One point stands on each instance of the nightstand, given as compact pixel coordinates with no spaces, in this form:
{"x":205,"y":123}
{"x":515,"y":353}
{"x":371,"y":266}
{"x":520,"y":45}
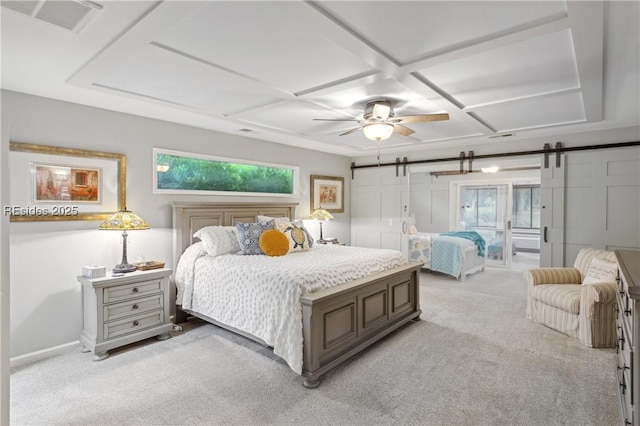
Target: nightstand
{"x":120,"y":310}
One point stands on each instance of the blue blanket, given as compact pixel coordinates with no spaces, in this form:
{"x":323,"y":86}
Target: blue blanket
{"x":473,"y":236}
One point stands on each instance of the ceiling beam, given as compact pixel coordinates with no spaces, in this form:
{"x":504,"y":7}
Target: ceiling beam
{"x":587,"y":31}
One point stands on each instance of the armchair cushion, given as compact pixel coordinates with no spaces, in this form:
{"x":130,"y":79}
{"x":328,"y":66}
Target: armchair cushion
{"x":553,"y":276}
{"x":562,"y":296}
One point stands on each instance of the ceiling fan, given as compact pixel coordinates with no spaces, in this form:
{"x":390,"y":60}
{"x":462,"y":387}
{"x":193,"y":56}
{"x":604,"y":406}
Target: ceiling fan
{"x":379,"y":121}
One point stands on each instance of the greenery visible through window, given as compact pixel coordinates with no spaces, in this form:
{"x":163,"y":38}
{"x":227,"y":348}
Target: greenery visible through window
{"x":526,"y":207}
{"x":204,"y":173}
{"x":480,"y":207}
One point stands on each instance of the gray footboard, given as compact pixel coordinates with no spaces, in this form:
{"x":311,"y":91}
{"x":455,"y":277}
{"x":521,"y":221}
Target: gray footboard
{"x":340,"y":322}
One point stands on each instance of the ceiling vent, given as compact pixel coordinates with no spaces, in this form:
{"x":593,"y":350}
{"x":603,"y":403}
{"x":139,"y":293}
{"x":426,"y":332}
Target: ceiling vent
{"x":502,"y":135}
{"x":72,"y":15}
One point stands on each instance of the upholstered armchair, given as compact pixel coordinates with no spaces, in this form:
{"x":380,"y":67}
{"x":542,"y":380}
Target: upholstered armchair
{"x":580,"y":301}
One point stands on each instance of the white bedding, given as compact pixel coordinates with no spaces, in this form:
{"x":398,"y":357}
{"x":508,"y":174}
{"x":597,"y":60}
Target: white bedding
{"x":260,"y":295}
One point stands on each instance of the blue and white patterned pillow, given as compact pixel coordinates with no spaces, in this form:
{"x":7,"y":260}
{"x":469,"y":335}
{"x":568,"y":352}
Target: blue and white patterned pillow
{"x":249,"y":236}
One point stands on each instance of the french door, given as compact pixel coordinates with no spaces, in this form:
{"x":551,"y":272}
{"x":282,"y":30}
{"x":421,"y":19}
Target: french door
{"x":487,"y":209}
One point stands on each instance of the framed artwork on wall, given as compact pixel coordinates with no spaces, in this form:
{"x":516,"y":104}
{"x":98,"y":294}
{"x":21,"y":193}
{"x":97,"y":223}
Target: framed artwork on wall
{"x":327,"y":192}
{"x":50,"y":183}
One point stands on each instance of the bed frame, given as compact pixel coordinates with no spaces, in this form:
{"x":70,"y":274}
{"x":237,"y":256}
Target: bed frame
{"x":337,"y":323}
{"x":471,"y":263}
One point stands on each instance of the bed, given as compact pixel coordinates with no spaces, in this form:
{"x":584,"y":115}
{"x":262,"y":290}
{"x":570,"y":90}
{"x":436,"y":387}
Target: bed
{"x":328,"y":320}
{"x":448,"y":254}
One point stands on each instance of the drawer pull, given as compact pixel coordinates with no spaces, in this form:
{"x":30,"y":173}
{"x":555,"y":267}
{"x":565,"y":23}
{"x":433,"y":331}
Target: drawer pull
{"x":627,"y":311}
{"x":135,"y":289}
{"x":135,"y":306}
{"x":621,"y":343}
{"x":623,"y":387}
{"x":138,"y":323}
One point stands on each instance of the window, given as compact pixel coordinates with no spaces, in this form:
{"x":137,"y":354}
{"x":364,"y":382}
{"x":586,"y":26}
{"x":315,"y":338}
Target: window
{"x":181,"y":172}
{"x":480,"y":207}
{"x":526,"y":206}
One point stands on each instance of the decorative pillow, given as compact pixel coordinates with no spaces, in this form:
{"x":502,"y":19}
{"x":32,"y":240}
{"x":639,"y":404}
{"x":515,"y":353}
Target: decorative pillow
{"x":601,"y":271}
{"x":306,"y":231}
{"x":297,"y":222}
{"x":219,"y":240}
{"x":249,"y":236}
{"x":298,"y":240}
{"x":274,"y":243}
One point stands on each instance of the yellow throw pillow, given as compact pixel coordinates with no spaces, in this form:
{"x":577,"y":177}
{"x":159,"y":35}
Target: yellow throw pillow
{"x":274,"y":243}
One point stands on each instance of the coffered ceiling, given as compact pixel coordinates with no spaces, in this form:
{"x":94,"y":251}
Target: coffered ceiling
{"x":267,"y":69}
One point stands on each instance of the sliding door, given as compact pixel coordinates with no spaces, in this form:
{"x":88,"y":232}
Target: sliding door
{"x":552,"y":201}
{"x":486,"y":209}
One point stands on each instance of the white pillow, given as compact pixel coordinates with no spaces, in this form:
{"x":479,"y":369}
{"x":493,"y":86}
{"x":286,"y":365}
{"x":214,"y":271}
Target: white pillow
{"x":219,"y":240}
{"x":275,"y":219}
{"x":601,"y":271}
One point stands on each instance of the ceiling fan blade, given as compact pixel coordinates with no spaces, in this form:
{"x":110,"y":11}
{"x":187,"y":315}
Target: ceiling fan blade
{"x":420,"y":118}
{"x":348,"y":132}
{"x":335,"y":119}
{"x":403,"y":130}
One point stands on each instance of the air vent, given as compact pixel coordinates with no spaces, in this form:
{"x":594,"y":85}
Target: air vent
{"x":72,"y":15}
{"x":502,"y":135}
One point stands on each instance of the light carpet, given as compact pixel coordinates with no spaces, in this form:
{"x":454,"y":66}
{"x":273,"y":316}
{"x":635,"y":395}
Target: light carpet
{"x":473,"y":360}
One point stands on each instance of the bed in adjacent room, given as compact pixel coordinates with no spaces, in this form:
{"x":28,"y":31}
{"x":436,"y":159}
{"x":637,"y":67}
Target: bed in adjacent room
{"x":456,"y":253}
{"x":315,"y":306}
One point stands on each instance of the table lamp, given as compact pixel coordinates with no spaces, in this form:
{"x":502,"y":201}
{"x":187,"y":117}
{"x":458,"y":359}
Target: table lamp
{"x":124,"y":221}
{"x":321,"y":215}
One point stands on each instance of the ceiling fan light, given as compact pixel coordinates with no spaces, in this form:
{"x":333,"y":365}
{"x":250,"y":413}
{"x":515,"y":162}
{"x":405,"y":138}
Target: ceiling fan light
{"x":378,"y":131}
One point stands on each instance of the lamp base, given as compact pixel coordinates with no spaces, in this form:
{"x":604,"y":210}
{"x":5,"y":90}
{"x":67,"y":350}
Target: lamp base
{"x":123,"y":268}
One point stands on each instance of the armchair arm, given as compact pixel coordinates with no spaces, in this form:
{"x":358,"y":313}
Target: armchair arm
{"x":598,"y":300}
{"x":553,"y":276}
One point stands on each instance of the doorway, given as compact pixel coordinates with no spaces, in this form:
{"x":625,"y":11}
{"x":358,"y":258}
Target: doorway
{"x":486,"y":210}
{"x":507,"y":216}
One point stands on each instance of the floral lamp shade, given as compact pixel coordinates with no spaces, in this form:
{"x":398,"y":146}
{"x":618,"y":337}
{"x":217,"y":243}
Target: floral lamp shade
{"x":321,"y":215}
{"x":124,"y":220}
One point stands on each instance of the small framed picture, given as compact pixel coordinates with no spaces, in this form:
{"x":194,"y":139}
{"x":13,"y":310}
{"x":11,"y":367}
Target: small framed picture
{"x":327,"y":192}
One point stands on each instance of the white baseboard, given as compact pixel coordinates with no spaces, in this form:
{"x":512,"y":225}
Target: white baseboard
{"x":42,"y":354}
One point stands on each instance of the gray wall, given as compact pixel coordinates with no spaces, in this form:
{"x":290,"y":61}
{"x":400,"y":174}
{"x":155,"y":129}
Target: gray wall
{"x":46,"y":257}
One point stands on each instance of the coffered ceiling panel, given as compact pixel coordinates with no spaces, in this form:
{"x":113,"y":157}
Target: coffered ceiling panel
{"x":411,"y":30}
{"x":263,"y":41}
{"x":161,"y":75}
{"x":534,"y":112}
{"x":269,"y":69}
{"x":536,"y":66}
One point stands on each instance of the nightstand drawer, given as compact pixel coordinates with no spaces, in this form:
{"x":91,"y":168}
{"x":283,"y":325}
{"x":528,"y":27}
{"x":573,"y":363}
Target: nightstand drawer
{"x":133,"y":324}
{"x":127,"y":291}
{"x":133,"y":307}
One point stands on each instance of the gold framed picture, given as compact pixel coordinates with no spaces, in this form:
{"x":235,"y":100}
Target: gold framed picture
{"x":327,"y":192}
{"x":50,"y":183}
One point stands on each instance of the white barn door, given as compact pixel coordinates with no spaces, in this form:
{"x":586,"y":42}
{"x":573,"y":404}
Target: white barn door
{"x":552,"y":206}
{"x":379,"y":208}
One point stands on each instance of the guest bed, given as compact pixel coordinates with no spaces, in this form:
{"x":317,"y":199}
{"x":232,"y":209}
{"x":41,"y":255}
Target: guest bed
{"x":315,"y":308}
{"x":448,"y":254}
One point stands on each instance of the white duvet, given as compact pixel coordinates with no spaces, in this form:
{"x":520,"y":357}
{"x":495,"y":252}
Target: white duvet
{"x":260,"y":295}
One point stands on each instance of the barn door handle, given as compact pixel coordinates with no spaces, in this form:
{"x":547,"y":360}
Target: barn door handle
{"x":544,"y":235}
